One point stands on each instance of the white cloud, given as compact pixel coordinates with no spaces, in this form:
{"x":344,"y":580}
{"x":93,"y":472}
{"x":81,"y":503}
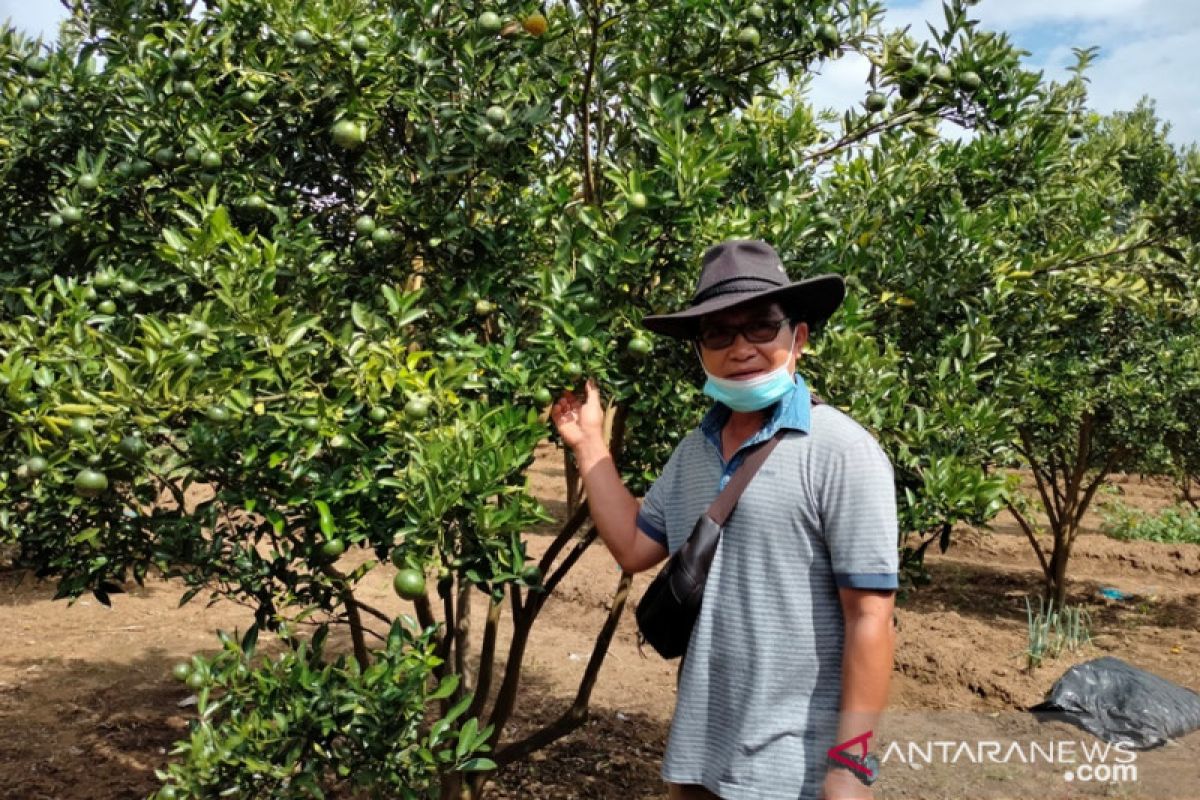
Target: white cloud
{"x":1161,"y":67}
{"x":1015,"y":14}
{"x":841,"y":83}
{"x":1146,"y":48}
{"x":34,"y":17}
{"x":1009,"y":14}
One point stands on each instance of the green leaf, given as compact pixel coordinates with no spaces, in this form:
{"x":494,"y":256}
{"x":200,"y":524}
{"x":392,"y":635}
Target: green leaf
{"x":446,"y":688}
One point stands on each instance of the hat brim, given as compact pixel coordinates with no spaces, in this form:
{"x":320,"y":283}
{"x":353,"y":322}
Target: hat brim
{"x":812,"y":300}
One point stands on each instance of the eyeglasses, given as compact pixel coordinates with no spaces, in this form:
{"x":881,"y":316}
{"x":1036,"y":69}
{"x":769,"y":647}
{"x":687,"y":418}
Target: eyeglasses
{"x":759,"y":331}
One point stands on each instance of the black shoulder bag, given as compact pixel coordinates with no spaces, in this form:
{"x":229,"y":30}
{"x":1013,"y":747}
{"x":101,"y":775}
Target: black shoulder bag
{"x":667,"y":611}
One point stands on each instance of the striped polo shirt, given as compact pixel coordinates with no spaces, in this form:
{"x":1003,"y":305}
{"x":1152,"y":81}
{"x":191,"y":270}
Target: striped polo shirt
{"x":760,"y":687}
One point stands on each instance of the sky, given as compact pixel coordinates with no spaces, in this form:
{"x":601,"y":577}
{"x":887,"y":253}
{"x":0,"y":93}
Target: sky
{"x":1147,"y":47}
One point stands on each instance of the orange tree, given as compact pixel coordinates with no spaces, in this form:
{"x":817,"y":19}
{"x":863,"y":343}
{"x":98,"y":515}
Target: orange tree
{"x":1036,"y":287}
{"x":286,"y":287}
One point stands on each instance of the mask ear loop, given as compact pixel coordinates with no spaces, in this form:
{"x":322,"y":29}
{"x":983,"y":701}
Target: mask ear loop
{"x":700,"y":358}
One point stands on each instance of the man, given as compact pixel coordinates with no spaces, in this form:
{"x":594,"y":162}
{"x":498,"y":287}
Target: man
{"x":792,"y":651}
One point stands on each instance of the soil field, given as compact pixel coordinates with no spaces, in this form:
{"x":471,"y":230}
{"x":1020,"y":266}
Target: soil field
{"x":88,"y":708}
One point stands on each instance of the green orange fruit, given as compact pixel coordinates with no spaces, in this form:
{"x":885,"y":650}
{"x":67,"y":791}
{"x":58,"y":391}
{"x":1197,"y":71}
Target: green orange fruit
{"x":90,"y":482}
{"x":333,"y":549}
{"x":303,"y":39}
{"x":749,"y":37}
{"x":489,"y":22}
{"x":496,"y":115}
{"x":409,"y":583}
{"x":82,"y":426}
{"x":638,"y":346}
{"x":828,"y":36}
{"x":417,"y":408}
{"x":969,"y":81}
{"x":348,"y":134}
{"x":132,"y":447}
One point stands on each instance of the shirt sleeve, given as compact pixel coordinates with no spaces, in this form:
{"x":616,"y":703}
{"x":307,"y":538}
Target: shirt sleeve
{"x":858,"y":512}
{"x":652,"y":518}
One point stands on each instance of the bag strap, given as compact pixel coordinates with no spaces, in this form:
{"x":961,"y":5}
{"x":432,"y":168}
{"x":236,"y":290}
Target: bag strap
{"x":722,"y":507}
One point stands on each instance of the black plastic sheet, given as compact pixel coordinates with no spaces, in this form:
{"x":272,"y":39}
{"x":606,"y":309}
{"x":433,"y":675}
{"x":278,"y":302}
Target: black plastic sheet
{"x":1122,"y":704}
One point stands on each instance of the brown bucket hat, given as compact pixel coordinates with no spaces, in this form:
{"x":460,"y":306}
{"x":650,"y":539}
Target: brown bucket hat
{"x":746,"y":271}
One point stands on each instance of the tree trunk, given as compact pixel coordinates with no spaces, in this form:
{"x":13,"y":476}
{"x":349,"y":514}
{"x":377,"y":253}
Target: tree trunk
{"x":574,"y":482}
{"x":1056,"y":582}
{"x":1187,"y":490}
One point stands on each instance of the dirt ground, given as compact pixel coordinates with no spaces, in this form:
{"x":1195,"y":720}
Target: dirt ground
{"x":88,"y":708}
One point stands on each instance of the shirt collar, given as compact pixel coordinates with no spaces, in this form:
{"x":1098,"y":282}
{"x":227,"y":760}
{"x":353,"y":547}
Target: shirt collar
{"x":793,"y":411}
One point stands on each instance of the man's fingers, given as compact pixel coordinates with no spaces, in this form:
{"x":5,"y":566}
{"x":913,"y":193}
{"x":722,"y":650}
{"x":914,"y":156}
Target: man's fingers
{"x":593,"y":393}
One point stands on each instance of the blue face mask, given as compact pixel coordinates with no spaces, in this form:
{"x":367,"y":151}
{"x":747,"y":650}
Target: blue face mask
{"x":753,"y":394}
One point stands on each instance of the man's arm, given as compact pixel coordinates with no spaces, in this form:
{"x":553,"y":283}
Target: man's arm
{"x":867,"y":658}
{"x":613,"y":508}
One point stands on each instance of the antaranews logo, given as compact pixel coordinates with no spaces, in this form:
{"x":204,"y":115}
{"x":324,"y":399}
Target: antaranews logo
{"x":842,"y":755}
{"x":1084,"y":761}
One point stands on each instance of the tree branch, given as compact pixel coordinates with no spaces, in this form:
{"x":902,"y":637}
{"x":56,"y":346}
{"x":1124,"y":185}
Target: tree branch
{"x":568,"y":530}
{"x":506,"y":699}
{"x":857,"y":136}
{"x":1029,"y":533}
{"x":585,"y":103}
{"x":379,"y":615}
{"x":487,"y":657}
{"x":1109,"y":464}
{"x":361,"y":654}
{"x":577,"y":713}
{"x":1027,"y":450}
{"x":1083,"y":451}
{"x":580,"y":547}
{"x":444,"y":647}
{"x":1142,"y":244}
{"x":424,"y":612}
{"x":462,"y":643}
{"x":1058,"y":474}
